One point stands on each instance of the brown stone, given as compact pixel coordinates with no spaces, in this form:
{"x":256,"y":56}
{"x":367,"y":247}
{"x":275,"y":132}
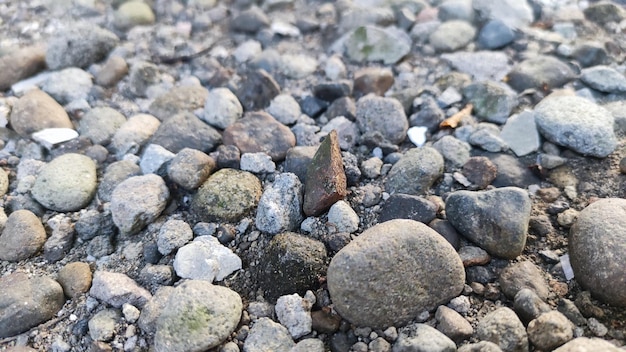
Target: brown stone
{"x":21,"y":64}
{"x":113,"y":70}
{"x":35,"y":111}
{"x":480,"y":171}
{"x":372,"y":80}
{"x":75,"y":278}
{"x":259,"y":132}
{"x":325,"y":177}
{"x":325,"y":321}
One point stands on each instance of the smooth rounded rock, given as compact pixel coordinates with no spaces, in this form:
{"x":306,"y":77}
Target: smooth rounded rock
{"x":524,"y":274}
{"x":221,"y":108}
{"x":415,"y":172}
{"x":185,"y":130}
{"x":496,"y":220}
{"x":75,"y":278}
{"x":550,"y":330}
{"x":382,"y":280}
{"x":100,"y":124}
{"x":133,"y":134}
{"x":584,"y":344}
{"x":597,"y":249}
{"x":22,"y":237}
{"x":452,"y":35}
{"x":177,"y":100}
{"x":35,"y":111}
{"x":67,"y":183}
{"x":383,"y":115}
{"x":79,"y":45}
{"x":190,"y":168}
{"x":541,"y":72}
{"x":503,"y":328}
{"x":21,"y":64}
{"x":133,"y":13}
{"x":68,"y":85}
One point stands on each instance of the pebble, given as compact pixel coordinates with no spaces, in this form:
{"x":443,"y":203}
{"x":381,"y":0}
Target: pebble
{"x":228,"y":157}
{"x":133,"y":134}
{"x":279,"y":208}
{"x":456,"y":10}
{"x":326,"y":180}
{"x":487,"y":137}
{"x":190,"y":322}
{"x":604,"y":79}
{"x":331,"y":91}
{"x":512,"y":172}
{"x":480,"y":171}
{"x":153,"y":308}
{"x":492,"y":101}
{"x":133,"y":13}
{"x":190,"y":168}
{"x":506,"y":210}
{"x":153,"y":158}
{"x":383,"y":115}
{"x":429,"y":115}
{"x":102,"y":324}
{"x":578,"y":124}
{"x":294,"y":313}
{"x":221,"y":108}
{"x":481,"y":65}
{"x":521,"y":275}
{"x":113,"y":70}
{"x":309,"y":345}
{"x":550,"y":330}
{"x":371,"y":43}
{"x":285,"y":109}
{"x":257,"y":163}
{"x":172,"y":235}
{"x":347,"y":131}
{"x":247,"y":51}
{"x":100,"y":124}
{"x":23,"y":236}
{"x":528,"y":305}
{"x":482,"y":346}
{"x":185,"y":130}
{"x":452,"y":324}
{"x":415,"y":172}
{"x":260,"y":132}
{"x":520,"y":133}
{"x":604,"y":12}
{"x":343,"y":218}
{"x":21,"y":64}
{"x":114,"y":174}
{"x":325,"y":321}
{"x":60,"y":240}
{"x":79,"y":45}
{"x":503,"y":328}
{"x":131,"y":313}
{"x":596,"y":248}
{"x":256,"y":90}
{"x":455,"y":152}
{"x":471,"y":255}
{"x":34,"y":300}
{"x":406,"y":206}
{"x":116,"y":289}
{"x":422,"y":337}
{"x":137,"y":201}
{"x":495,"y":34}
{"x":452,"y":36}
{"x":68,"y":85}
{"x":153,"y":275}
{"x":226,"y":195}
{"x":541,"y":72}
{"x":291,"y":263}
{"x":596,"y":327}
{"x":297,"y":66}
{"x":567,"y":217}
{"x":334,"y":68}
{"x":177,"y":100}
{"x":205,"y":259}
{"x":588,"y":344}
{"x":75,"y":278}
{"x":36,"y":111}
{"x":404,"y":240}
{"x":375,"y":80}
{"x":266,"y":335}
{"x":371,"y":167}
{"x":250,"y":21}
{"x":142,"y":76}
{"x":515,"y":13}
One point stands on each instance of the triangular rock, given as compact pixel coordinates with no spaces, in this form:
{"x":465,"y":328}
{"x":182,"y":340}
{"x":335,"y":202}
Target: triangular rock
{"x":325,"y":177}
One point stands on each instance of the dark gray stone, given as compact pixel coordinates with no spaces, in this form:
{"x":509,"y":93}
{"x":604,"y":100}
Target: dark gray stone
{"x":185,"y":130}
{"x":541,"y":72}
{"x":415,"y":172}
{"x":405,"y":206}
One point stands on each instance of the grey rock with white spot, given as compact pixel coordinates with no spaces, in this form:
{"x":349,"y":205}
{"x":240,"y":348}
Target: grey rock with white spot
{"x":117,"y":289}
{"x":578,"y":124}
{"x":422,"y":337}
{"x":173,"y":235}
{"x":540,"y":72}
{"x":492,"y":102}
{"x":588,"y":344}
{"x":133,"y":134}
{"x":79,"y":46}
{"x":268,"y":336}
{"x":343,"y":218}
{"x":520,"y":133}
{"x":280,"y":206}
{"x":27,"y":302}
{"x":294,"y":313}
{"x":503,"y":328}
{"x":114,"y":174}
{"x":153,"y":158}
{"x":285,"y":109}
{"x":454,"y":151}
{"x":495,"y":34}
{"x":597,"y":247}
{"x":221,"y":108}
{"x":384,"y":115}
{"x":452,"y":324}
{"x":23,"y":236}
{"x":257,"y":163}
{"x":370,"y":43}
{"x":102,"y":324}
{"x":205,"y":259}
{"x":515,"y":13}
{"x":191,"y":322}
{"x":452,"y":35}
{"x":415,"y":172}
{"x":137,"y":201}
{"x":100,"y":124}
{"x":604,"y":79}
{"x":550,"y":330}
{"x":185,"y":130}
{"x":67,"y":183}
{"x":68,"y":85}
{"x":190,"y":168}
{"x":506,"y":210}
{"x":365,"y":296}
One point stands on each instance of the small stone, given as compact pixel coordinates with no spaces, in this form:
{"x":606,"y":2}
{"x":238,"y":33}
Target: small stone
{"x":326,"y":179}
{"x":156,"y":275}
{"x":102,"y":324}
{"x":405,"y":206}
{"x":529,"y":305}
{"x":455,"y":152}
{"x":256,"y":90}
{"x":596,"y":327}
{"x":79,"y":45}
{"x":285,"y":109}
{"x":415,"y":172}
{"x":481,"y":65}
{"x":113,"y":70}
{"x":152,"y":310}
{"x":567,"y":218}
{"x":173,"y":235}
{"x":452,"y":36}
{"x":36,"y":111}
{"x":205,"y":259}
{"x":605,"y":12}
{"x":370,"y":43}
{"x":185,"y":130}
{"x":487,"y":138}
{"x":375,"y":80}
{"x":503,"y":328}
{"x":177,"y":100}
{"x":517,"y":14}
{"x":266,"y":335}
{"x":142,"y":76}
{"x":153,"y":158}
{"x":61,"y":238}
{"x":482,"y":346}
{"x":133,"y":134}
{"x":540,"y":72}
{"x":604,"y":79}
{"x":68,"y":85}
{"x":294,"y":313}
{"x":384,"y":115}
{"x":452,"y":324}
{"x":137,"y":201}
{"x":257,"y":163}
{"x":325,"y":321}
{"x":75,"y":278}
{"x":492,"y":101}
{"x":422,"y":337}
{"x":23,"y":236}
{"x":100,"y":124}
{"x":117,"y":289}
{"x":523,"y":275}
{"x":309,"y":345}
{"x":20,"y":64}
{"x":495,"y":34}
{"x":550,"y":330}
{"x":222,"y":108}
{"x":588,"y":344}
{"x":520,"y":133}
{"x":445,"y":229}
{"x":228,"y":157}
{"x":279,"y":208}
{"x":472,"y":256}
{"x":250,"y":20}
{"x":131,"y":313}
{"x":133,"y":13}
{"x":343,"y":218}
{"x":190,"y":168}
{"x":331,"y":91}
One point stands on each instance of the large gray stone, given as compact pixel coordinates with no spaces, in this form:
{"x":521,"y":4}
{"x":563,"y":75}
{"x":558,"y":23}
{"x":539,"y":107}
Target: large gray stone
{"x":280,"y":206}
{"x":503,"y":328}
{"x":191,"y":322}
{"x":389,"y":274}
{"x":415,"y":172}
{"x":67,"y":183}
{"x":578,"y":124}
{"x":604,"y":79}
{"x":496,"y":220}
{"x":597,"y":250}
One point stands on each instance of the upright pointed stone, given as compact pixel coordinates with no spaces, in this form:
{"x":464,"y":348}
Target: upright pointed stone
{"x":325,"y":177}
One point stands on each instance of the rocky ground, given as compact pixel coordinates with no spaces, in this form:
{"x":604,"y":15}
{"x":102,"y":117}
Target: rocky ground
{"x":299,"y":175}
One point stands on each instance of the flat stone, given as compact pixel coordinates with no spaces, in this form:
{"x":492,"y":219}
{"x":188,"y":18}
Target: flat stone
{"x":221,"y":108}
{"x":550,"y":330}
{"x":578,"y":124}
{"x":258,"y":163}
{"x":452,"y":35}
{"x":370,"y":288}
{"x":266,"y":335}
{"x":20,"y":64}
{"x":492,"y":101}
{"x":471,"y":256}
{"x":133,"y":134}
{"x":541,"y":72}
{"x":36,"y":111}
{"x":326,"y":180}
{"x":503,"y":328}
{"x":26,"y":303}
{"x":79,"y":45}
{"x":522,"y":275}
{"x":227,"y":195}
{"x":406,"y":206}
{"x":205,"y":259}
{"x":422,"y":337}
{"x":384,"y":115}
{"x":23,"y":236}
{"x":371,"y":43}
{"x":597,"y":247}
{"x":100,"y":124}
{"x":177,"y":100}
{"x":137,"y":201}
{"x":280,"y":206}
{"x":117,"y":289}
{"x":415,"y":172}
{"x":520,"y":133}
{"x":190,"y":322}
{"x":185,"y":130}
{"x":75,"y":278}
{"x":505,"y":210}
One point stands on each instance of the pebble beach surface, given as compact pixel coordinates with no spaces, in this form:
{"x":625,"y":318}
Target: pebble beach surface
{"x":307,"y":175}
